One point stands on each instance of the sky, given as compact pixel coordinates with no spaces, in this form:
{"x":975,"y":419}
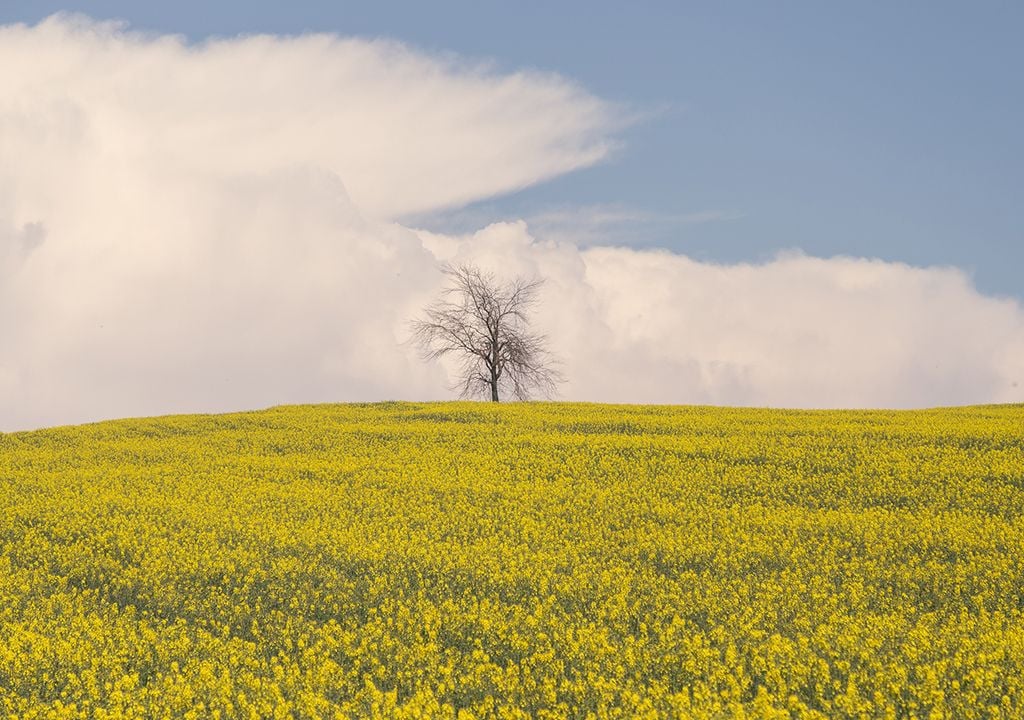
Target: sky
{"x":221,"y":206}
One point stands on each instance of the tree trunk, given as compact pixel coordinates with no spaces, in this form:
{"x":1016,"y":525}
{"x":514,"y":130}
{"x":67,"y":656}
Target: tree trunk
{"x":495,"y":369}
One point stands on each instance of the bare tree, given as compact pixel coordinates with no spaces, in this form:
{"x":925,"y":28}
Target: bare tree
{"x":486,"y":324}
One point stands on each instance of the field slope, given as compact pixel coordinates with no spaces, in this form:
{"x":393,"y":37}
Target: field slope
{"x":514,"y":561}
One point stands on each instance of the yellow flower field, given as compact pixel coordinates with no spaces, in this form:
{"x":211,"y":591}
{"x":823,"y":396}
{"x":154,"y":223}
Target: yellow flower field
{"x":516,"y":561}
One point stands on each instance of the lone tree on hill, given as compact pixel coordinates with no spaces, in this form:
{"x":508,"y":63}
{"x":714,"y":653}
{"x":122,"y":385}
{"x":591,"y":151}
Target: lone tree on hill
{"x":486,"y":324}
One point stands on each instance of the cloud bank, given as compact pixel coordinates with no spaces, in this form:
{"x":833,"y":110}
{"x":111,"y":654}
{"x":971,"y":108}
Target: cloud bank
{"x":212,"y":227}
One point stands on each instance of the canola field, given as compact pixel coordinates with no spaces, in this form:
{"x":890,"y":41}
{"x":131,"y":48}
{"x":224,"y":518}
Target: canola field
{"x":459,"y":560}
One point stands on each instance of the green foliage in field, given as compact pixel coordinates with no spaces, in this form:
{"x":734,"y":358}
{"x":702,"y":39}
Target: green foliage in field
{"x":516,"y":561}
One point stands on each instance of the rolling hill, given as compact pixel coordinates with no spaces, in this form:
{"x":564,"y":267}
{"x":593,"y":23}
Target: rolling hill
{"x":516,"y":561}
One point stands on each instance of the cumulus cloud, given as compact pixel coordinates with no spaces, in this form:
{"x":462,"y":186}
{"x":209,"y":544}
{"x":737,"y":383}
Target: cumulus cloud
{"x":798,"y":331}
{"x":218,"y":226}
{"x":407,"y":132}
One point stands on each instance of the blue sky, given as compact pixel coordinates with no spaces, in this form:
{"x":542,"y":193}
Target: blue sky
{"x":195,"y":225}
{"x":875,"y":130}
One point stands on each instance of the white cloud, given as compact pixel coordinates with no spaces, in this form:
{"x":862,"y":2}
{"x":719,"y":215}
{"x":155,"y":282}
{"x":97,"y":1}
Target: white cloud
{"x":407,"y":132}
{"x":200,"y":228}
{"x":652,"y":326}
